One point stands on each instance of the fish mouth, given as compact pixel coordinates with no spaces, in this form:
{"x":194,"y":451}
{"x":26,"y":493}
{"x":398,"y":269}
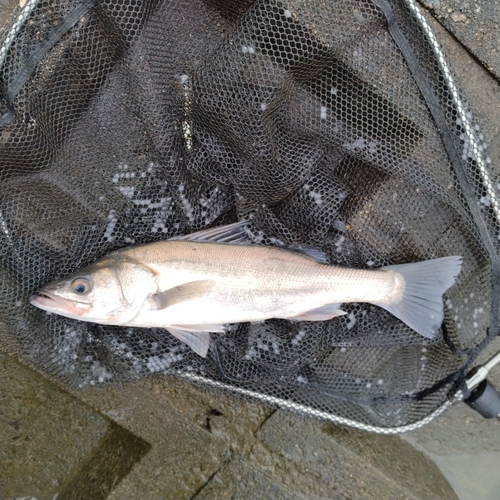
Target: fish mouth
{"x":51,"y":302}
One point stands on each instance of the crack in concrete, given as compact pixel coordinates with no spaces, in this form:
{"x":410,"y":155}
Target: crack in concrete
{"x":210,"y":478}
{"x":470,"y":51}
{"x":271,"y":413}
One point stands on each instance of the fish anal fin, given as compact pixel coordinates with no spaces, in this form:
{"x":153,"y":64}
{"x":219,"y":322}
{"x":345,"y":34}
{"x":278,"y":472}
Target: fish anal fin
{"x":198,"y":341}
{"x":322,"y":313}
{"x":182,"y":293}
{"x":203,"y":328}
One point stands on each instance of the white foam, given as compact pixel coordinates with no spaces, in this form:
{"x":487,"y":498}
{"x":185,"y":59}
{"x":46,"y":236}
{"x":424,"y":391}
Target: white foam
{"x":164,"y":362}
{"x":299,"y":337}
{"x":372,"y":147}
{"x":352,"y":321}
{"x":111,"y":226}
{"x":485,"y":200}
{"x":127,"y":191}
{"x":359,"y":144}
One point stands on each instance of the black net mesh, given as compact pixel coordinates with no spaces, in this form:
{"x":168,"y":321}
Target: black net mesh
{"x":151,"y":119}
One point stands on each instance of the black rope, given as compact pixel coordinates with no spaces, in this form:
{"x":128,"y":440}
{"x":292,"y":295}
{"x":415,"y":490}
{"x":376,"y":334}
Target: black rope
{"x":447,"y":138}
{"x":38,"y":54}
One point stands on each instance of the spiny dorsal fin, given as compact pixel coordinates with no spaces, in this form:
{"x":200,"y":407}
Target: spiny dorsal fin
{"x":231,"y":233}
{"x":235,"y":234}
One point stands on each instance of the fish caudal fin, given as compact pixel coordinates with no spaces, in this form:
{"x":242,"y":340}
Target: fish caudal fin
{"x":421,"y":306}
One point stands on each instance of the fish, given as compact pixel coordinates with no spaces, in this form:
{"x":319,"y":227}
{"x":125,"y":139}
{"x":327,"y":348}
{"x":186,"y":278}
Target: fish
{"x":195,"y":284}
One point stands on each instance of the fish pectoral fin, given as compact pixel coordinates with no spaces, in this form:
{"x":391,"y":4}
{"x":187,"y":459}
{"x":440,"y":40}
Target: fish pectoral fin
{"x":322,"y":313}
{"x":198,"y":341}
{"x":182,"y":293}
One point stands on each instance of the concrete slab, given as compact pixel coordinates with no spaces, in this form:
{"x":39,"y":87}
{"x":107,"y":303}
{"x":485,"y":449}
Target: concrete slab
{"x":174,"y":471}
{"x":476,"y":23}
{"x":481,"y":471}
{"x":238,"y":479}
{"x":40,"y":446}
{"x":105,"y":466}
{"x":210,"y":445}
{"x":193,"y":433}
{"x":337,"y":462}
{"x":53,"y":444}
{"x":9,"y":9}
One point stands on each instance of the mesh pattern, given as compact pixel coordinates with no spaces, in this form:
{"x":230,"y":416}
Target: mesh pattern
{"x":151,"y":119}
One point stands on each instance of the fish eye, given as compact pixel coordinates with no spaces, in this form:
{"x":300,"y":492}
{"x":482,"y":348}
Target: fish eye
{"x":81,"y":286}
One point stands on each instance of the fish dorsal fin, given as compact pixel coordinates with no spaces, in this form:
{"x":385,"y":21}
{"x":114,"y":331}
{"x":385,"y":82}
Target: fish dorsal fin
{"x":181,"y":293}
{"x":198,"y":341}
{"x":231,"y":233}
{"x":235,"y":234}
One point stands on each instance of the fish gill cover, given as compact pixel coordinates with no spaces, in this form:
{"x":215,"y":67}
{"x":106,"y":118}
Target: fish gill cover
{"x":127,"y":122}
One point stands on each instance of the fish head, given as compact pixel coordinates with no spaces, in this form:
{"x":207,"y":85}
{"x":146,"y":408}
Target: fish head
{"x":111,"y":291}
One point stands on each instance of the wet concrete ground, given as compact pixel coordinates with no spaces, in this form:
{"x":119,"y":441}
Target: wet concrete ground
{"x":162,"y":438}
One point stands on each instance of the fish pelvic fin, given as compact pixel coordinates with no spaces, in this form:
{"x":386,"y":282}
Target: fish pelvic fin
{"x":195,"y":336}
{"x":198,"y":341}
{"x":421,"y":305}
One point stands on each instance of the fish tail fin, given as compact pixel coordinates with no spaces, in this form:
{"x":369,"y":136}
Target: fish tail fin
{"x":421,"y":306}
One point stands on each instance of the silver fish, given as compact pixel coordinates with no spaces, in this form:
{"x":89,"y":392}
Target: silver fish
{"x":195,"y":284}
